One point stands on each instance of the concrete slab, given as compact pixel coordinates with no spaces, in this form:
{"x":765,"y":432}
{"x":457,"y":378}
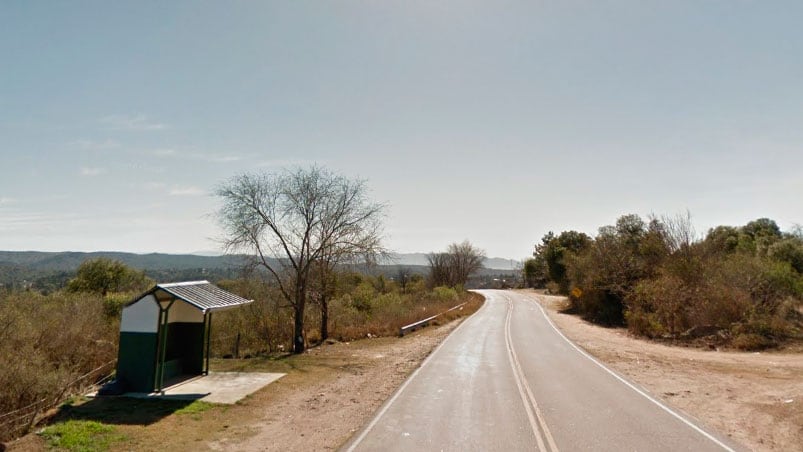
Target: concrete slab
{"x":217,"y":387}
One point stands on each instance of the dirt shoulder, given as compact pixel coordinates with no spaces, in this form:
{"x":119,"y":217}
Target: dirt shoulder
{"x":322,"y":407}
{"x":754,"y":398}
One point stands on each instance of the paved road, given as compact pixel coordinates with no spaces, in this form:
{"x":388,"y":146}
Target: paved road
{"x":506,"y":380}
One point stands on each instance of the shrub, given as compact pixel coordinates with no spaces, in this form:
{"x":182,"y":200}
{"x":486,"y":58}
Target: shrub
{"x":644,"y":323}
{"x":668,"y":282}
{"x":47,"y":342}
{"x":751,"y":342}
{"x":443,"y":293}
{"x":362,"y":296}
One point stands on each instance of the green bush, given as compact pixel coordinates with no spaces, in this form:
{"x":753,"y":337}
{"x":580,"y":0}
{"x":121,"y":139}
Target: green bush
{"x":443,"y":293}
{"x":363,"y":296}
{"x":660,"y":280}
{"x":644,"y":323}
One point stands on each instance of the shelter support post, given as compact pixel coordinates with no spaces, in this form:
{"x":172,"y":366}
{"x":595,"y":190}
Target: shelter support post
{"x":208,"y":330}
{"x":162,"y":350}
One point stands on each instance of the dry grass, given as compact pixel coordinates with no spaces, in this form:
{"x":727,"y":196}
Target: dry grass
{"x":365,"y":307}
{"x":46,"y":344}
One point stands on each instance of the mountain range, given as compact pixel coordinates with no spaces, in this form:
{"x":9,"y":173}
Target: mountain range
{"x":70,"y":260}
{"x":51,"y":270}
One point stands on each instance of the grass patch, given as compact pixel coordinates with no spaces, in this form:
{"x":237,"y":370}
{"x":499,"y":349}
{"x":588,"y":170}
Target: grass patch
{"x":81,"y":436}
{"x":196,"y":407}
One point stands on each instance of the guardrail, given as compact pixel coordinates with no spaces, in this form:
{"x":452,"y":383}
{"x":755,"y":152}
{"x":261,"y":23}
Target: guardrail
{"x":422,"y":323}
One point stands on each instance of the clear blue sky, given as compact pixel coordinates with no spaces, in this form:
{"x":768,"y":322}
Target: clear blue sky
{"x":491,"y":121}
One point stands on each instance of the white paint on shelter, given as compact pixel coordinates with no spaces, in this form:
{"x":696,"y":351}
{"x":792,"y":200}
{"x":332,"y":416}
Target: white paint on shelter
{"x":141,"y":317}
{"x":181,"y":311}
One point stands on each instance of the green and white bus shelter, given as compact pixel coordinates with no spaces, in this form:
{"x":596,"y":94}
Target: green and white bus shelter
{"x":165,"y":333}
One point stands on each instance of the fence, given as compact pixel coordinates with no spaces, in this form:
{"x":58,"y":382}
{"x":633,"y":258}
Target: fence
{"x":20,"y":421}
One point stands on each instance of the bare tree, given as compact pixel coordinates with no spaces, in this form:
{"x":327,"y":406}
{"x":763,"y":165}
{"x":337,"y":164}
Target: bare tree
{"x":403,"y":275}
{"x":295,"y":220}
{"x":456,"y":265}
{"x":679,"y":232}
{"x":440,"y":269}
{"x":363,"y":249}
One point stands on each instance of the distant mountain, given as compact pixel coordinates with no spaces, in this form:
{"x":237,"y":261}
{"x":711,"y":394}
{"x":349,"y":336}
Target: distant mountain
{"x":493,"y":263}
{"x":51,"y":270}
{"x":70,"y":260}
{"x":209,"y":253}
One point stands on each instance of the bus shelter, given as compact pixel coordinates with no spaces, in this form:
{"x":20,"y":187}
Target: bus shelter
{"x":165,"y":334}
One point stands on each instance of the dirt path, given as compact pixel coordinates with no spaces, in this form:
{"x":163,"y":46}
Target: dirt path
{"x":755,"y":398}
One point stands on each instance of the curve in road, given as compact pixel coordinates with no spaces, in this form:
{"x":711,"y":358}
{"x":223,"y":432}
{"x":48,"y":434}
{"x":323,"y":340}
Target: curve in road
{"x":507,"y":379}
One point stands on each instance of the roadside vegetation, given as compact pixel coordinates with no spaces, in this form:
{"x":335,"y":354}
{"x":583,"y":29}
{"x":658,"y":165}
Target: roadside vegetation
{"x":57,"y":343}
{"x":738,"y":286}
{"x":49,"y":342}
{"x":313,"y":238}
{"x":360,"y":306}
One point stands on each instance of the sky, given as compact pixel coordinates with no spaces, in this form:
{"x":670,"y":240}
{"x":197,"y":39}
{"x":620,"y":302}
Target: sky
{"x":492,"y":121}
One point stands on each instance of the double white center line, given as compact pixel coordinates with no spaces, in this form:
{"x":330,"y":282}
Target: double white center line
{"x":537,"y":422}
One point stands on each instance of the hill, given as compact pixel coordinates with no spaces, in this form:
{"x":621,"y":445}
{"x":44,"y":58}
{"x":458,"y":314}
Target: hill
{"x":413,"y":259}
{"x":50,"y":270}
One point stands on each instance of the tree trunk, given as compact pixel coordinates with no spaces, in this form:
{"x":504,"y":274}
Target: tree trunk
{"x":298,"y":330}
{"x":324,"y":318}
{"x":299,"y":339}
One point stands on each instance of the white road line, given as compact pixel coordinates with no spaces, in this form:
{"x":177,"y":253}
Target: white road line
{"x":395,"y":396}
{"x":517,"y":378}
{"x":527,"y":394}
{"x":633,"y":387}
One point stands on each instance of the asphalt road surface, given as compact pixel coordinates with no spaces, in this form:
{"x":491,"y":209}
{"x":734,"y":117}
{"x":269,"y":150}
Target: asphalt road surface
{"x":506,"y":380}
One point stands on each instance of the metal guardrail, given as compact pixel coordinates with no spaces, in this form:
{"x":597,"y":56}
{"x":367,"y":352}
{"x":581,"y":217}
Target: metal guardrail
{"x":422,"y":323}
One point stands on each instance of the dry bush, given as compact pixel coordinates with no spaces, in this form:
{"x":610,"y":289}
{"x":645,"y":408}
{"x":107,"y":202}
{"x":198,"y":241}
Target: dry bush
{"x":366,"y":306}
{"x":47,"y":342}
{"x":262,"y":327}
{"x":388,"y":313}
{"x":752,"y":342}
{"x":741,"y":296}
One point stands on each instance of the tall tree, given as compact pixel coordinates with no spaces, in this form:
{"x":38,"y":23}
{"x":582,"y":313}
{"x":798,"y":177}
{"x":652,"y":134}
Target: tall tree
{"x":294,"y":220}
{"x":554,"y":249}
{"x":456,"y":265}
{"x":104,"y":275}
{"x":534,"y":272}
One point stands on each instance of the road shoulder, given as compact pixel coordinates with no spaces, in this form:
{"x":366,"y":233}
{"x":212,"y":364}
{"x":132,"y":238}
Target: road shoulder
{"x":754,"y":398}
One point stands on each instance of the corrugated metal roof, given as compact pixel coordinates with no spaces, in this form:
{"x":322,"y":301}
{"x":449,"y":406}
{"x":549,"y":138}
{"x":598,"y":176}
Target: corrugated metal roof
{"x":202,"y":294}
